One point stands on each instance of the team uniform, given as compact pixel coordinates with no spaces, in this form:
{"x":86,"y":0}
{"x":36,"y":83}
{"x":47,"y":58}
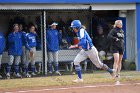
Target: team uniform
{"x":30,"y":45}
{"x":117,"y":46}
{"x":2,"y":46}
{"x":14,"y":52}
{"x":88,"y":51}
{"x":52,"y":38}
{"x":23,"y":56}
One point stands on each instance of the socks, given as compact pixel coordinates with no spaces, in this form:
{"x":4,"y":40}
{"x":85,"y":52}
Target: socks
{"x":50,"y":67}
{"x":109,"y":70}
{"x":8,"y":68}
{"x":56,"y":68}
{"x":16,"y":68}
{"x":78,"y":70}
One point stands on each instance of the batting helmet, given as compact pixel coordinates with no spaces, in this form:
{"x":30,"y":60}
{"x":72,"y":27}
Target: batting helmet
{"x":76,"y":24}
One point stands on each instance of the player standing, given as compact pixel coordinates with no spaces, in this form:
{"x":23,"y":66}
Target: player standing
{"x":30,"y":51}
{"x":52,"y":38}
{"x":14,"y":50}
{"x":88,"y":50}
{"x":117,"y":45}
{"x":23,"y":56}
{"x":2,"y":46}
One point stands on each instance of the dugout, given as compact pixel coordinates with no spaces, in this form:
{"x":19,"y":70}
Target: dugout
{"x":89,"y":12}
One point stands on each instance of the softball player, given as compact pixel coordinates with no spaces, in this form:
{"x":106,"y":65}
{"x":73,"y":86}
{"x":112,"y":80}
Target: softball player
{"x":117,"y":37}
{"x":23,"y":56}
{"x":30,"y":51}
{"x":88,"y":50}
{"x":53,"y":47}
{"x":14,"y":50}
{"x":2,"y":46}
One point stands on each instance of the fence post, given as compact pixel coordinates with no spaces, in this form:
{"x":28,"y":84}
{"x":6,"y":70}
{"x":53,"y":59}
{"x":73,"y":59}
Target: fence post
{"x":44,"y":50}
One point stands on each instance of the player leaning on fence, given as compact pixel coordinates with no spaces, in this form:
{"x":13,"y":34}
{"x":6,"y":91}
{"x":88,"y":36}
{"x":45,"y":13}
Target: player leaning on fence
{"x":116,"y":35}
{"x":2,"y":46}
{"x":88,"y":50}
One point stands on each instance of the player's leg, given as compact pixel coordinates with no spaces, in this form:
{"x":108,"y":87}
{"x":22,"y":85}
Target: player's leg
{"x":81,"y":56}
{"x":23,"y":56}
{"x":9,"y":64}
{"x":33,"y":62}
{"x":16,"y":67}
{"x":116,"y":61}
{"x":26,"y":64}
{"x":55,"y":57}
{"x":121,"y":52}
{"x":93,"y":55}
{"x":119,"y":65}
{"x":50,"y":60}
{"x":0,"y":64}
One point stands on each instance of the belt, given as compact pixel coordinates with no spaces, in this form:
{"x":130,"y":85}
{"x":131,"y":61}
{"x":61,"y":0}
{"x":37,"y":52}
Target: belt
{"x":87,"y":49}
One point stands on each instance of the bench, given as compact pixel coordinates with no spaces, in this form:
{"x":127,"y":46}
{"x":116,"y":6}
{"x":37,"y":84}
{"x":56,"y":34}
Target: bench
{"x":38,"y":58}
{"x":67,"y":56}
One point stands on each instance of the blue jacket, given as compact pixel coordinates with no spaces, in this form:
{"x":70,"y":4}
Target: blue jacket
{"x":23,"y":37}
{"x":52,"y":38}
{"x":2,"y":43}
{"x":30,"y":40}
{"x":15,"y":44}
{"x":84,"y":39}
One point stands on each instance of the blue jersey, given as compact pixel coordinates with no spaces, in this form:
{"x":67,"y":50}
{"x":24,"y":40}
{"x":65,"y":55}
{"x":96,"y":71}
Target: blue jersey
{"x":23,"y":37}
{"x":52,"y":38}
{"x":84,"y":39}
{"x":2,"y":43}
{"x":30,"y":40}
{"x":15,"y":43}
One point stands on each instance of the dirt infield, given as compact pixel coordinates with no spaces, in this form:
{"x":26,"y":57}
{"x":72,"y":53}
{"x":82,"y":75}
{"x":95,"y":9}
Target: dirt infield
{"x":97,"y":88}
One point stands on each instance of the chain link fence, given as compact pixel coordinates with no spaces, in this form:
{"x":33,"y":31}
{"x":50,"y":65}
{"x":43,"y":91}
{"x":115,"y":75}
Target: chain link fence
{"x":96,"y":22}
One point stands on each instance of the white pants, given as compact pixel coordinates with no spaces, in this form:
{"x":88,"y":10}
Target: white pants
{"x":13,"y":58}
{"x":91,"y":54}
{"x":30,"y":59}
{"x":53,"y":57}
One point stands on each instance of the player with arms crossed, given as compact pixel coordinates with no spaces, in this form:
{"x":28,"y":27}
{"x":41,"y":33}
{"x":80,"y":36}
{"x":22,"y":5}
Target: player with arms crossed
{"x":88,"y":50}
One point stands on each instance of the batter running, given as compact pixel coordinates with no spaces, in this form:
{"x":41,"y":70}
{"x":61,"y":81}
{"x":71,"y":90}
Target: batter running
{"x":88,"y":51}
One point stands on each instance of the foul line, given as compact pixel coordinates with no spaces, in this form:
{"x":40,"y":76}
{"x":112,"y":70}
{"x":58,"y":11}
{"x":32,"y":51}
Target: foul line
{"x":54,"y":89}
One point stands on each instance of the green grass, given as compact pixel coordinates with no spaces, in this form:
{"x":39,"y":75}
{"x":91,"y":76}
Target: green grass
{"x":65,"y":80}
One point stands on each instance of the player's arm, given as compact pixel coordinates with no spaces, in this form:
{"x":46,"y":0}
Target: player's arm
{"x":26,"y":43}
{"x":111,"y":36}
{"x":82,"y":40}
